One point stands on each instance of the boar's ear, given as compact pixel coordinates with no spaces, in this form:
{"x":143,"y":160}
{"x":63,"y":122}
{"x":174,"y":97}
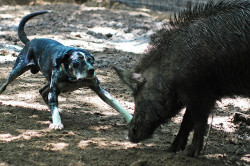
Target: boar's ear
{"x":133,"y":80}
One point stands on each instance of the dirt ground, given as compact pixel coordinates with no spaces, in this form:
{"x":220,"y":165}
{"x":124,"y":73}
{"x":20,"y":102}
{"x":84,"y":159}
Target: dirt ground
{"x":94,"y":133}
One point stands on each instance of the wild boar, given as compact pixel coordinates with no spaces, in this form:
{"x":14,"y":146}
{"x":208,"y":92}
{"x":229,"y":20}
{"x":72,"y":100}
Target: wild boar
{"x":202,"y":57}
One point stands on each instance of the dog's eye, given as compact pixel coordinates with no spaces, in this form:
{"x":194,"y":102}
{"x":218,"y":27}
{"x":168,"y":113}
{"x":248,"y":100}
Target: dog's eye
{"x":76,"y":64}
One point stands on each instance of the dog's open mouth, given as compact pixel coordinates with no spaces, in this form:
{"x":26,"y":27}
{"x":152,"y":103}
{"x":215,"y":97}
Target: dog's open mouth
{"x":74,"y":79}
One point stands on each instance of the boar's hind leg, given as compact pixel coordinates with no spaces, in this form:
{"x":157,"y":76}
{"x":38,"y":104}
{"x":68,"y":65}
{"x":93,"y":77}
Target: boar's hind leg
{"x":182,"y":136}
{"x":199,"y":112}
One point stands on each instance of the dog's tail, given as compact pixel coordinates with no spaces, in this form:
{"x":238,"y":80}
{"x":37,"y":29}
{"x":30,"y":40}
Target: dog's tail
{"x":21,"y":34}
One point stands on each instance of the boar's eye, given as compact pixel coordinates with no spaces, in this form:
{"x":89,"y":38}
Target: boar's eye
{"x":137,"y":89}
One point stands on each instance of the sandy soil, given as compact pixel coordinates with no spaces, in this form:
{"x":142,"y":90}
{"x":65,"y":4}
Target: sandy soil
{"x":95,"y":134}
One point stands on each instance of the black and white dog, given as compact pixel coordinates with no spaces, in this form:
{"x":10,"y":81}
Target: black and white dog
{"x":65,"y":68}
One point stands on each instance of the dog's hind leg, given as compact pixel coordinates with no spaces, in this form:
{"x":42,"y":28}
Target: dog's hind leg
{"x":19,"y":68}
{"x":106,"y":97}
{"x":45,"y":92}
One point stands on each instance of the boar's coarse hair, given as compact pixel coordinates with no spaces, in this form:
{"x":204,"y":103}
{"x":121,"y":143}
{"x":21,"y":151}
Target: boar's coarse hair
{"x":182,"y":22}
{"x":180,"y":49}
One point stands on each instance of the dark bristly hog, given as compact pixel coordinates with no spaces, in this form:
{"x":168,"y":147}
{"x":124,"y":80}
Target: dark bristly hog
{"x":204,"y":56}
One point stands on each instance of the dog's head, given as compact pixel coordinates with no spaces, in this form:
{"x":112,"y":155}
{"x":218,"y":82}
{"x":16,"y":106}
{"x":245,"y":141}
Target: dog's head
{"x":78,"y":64}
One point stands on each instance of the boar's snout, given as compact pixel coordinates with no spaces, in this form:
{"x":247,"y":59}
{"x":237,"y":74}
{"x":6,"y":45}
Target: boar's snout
{"x":139,"y":132}
{"x":132,"y":133}
{"x":145,"y":121}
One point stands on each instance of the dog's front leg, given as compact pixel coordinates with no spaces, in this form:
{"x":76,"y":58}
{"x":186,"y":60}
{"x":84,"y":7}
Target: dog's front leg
{"x":106,"y":97}
{"x":53,"y":101}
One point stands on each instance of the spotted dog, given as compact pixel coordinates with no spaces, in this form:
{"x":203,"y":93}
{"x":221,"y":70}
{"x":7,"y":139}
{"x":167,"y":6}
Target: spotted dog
{"x":65,"y":68}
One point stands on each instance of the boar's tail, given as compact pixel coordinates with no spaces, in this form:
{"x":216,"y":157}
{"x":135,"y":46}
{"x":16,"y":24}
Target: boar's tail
{"x":21,"y":34}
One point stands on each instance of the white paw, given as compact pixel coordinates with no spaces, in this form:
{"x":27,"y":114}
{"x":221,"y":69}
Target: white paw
{"x":56,"y":126}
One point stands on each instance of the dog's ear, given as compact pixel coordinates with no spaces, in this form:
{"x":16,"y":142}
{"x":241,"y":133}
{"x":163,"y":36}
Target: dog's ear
{"x":61,"y":56}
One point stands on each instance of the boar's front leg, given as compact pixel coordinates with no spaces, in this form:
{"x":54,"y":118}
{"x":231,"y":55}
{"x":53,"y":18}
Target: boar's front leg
{"x":182,"y":136}
{"x":199,"y":112}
